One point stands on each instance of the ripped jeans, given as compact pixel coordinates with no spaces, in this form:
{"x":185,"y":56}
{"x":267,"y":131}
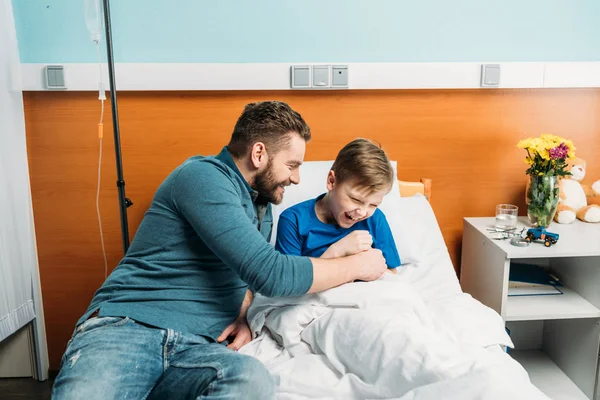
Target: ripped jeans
{"x":117,"y":358}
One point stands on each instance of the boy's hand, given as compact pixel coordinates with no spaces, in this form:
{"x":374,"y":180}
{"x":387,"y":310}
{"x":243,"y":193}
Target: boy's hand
{"x":354,"y":243}
{"x":372,"y":265}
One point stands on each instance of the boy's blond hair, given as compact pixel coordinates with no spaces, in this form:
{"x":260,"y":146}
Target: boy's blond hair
{"x":366,"y":164}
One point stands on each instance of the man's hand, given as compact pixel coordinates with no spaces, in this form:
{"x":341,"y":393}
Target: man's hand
{"x":372,"y":264}
{"x":238,"y":333}
{"x":353,"y":243}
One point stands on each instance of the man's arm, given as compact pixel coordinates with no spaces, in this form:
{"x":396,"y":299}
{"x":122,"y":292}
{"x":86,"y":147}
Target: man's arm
{"x":246,"y":304}
{"x":207,"y":198}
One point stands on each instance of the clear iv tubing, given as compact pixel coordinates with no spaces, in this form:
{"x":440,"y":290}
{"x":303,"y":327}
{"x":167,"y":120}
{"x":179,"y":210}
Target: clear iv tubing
{"x":101,"y":97}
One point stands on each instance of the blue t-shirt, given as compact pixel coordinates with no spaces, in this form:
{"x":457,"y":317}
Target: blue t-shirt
{"x":301,"y":233}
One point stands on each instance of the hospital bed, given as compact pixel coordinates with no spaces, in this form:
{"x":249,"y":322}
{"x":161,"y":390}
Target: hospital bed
{"x":411,"y":336}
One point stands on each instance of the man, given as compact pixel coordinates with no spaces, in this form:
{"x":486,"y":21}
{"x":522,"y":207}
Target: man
{"x":157,"y":326}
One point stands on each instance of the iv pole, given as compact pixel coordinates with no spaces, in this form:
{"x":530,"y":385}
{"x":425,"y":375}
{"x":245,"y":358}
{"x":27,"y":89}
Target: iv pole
{"x":124,"y":202}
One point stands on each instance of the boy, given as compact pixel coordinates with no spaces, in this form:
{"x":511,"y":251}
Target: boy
{"x":345,"y":220}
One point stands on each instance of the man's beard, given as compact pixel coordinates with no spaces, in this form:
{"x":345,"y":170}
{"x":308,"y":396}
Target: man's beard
{"x":266,"y":186}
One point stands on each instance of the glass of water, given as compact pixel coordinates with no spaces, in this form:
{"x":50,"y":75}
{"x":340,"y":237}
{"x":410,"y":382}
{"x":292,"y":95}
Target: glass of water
{"x":506,"y":217}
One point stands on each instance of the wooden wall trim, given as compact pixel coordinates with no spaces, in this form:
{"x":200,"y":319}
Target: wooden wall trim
{"x":464,"y":140}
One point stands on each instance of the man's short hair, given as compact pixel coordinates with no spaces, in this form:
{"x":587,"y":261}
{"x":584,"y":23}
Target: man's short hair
{"x":270,"y":122}
{"x":365,"y":164}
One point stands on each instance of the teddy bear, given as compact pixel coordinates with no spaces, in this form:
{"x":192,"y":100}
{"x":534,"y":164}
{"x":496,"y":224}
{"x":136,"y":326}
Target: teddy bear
{"x":574,"y":196}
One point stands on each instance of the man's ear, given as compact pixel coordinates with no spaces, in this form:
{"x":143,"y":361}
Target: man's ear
{"x":330,"y":180}
{"x":258,"y":155}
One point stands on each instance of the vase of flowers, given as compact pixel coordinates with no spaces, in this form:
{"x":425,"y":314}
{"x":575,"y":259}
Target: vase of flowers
{"x":547,"y":159}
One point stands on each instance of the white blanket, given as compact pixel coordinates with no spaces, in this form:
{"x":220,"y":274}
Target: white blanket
{"x":381,"y":340}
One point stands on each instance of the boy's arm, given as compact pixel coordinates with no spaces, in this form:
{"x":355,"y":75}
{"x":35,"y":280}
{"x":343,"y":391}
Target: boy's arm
{"x":342,"y":266}
{"x":331,"y":252}
{"x":384,"y":241}
{"x":355,"y":242}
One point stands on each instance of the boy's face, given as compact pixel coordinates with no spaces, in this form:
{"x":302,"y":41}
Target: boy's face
{"x":351,"y":203}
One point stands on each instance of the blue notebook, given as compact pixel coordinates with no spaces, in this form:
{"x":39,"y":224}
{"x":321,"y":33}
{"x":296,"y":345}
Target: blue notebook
{"x":528,"y":273}
{"x":531,"y":280}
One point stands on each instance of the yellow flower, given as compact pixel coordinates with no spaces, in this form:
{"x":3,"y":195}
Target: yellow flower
{"x":541,"y":145}
{"x":536,"y":146}
{"x":525,"y":143}
{"x":552,"y":140}
{"x":548,"y":142}
{"x":571,"y":147}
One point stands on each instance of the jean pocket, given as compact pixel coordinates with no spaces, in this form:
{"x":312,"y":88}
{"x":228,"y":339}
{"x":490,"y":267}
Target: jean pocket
{"x":100,"y":322}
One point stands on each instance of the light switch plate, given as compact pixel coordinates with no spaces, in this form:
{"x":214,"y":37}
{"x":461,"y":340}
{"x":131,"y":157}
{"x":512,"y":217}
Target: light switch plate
{"x":490,"y":75}
{"x":301,"y":76}
{"x":321,"y":76}
{"x":339,"y":76}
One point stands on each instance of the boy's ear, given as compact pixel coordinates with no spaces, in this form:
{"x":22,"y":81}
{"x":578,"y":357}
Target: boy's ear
{"x":330,"y":180}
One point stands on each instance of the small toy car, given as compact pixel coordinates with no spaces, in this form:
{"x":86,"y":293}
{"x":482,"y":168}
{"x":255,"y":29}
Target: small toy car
{"x":540,"y":233}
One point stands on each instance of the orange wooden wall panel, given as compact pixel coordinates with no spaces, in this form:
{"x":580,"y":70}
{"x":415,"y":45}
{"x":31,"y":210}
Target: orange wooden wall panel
{"x":463,"y":139}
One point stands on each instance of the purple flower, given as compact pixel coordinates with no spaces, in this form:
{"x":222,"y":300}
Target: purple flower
{"x":559,"y":152}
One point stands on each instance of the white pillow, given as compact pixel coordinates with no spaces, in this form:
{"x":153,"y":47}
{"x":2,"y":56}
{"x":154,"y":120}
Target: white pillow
{"x":426,"y":263}
{"x":414,"y":226}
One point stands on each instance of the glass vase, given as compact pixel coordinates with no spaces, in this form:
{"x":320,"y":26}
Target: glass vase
{"x":542,"y":199}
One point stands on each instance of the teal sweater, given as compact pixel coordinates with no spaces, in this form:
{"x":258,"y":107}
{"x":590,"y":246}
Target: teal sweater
{"x":201,"y":244}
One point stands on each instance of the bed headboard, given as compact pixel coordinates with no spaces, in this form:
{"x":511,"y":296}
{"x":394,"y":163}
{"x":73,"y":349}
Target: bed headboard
{"x":408,"y":189}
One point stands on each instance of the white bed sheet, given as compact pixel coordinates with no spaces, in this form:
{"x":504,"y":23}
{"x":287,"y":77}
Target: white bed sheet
{"x":375,"y":340}
{"x":411,"y":336}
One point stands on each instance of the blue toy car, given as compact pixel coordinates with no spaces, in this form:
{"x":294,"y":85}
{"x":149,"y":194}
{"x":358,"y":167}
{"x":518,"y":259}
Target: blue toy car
{"x":549,"y":238}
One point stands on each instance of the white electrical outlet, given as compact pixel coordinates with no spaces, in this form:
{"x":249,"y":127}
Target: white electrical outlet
{"x":301,"y":76}
{"x":319,"y":76}
{"x":339,"y":76}
{"x":490,"y":75}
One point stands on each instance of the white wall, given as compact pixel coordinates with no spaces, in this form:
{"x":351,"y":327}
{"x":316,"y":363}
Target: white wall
{"x":20,"y":295}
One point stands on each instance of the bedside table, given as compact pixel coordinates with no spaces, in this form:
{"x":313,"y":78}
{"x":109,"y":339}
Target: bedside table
{"x":556,"y":337}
